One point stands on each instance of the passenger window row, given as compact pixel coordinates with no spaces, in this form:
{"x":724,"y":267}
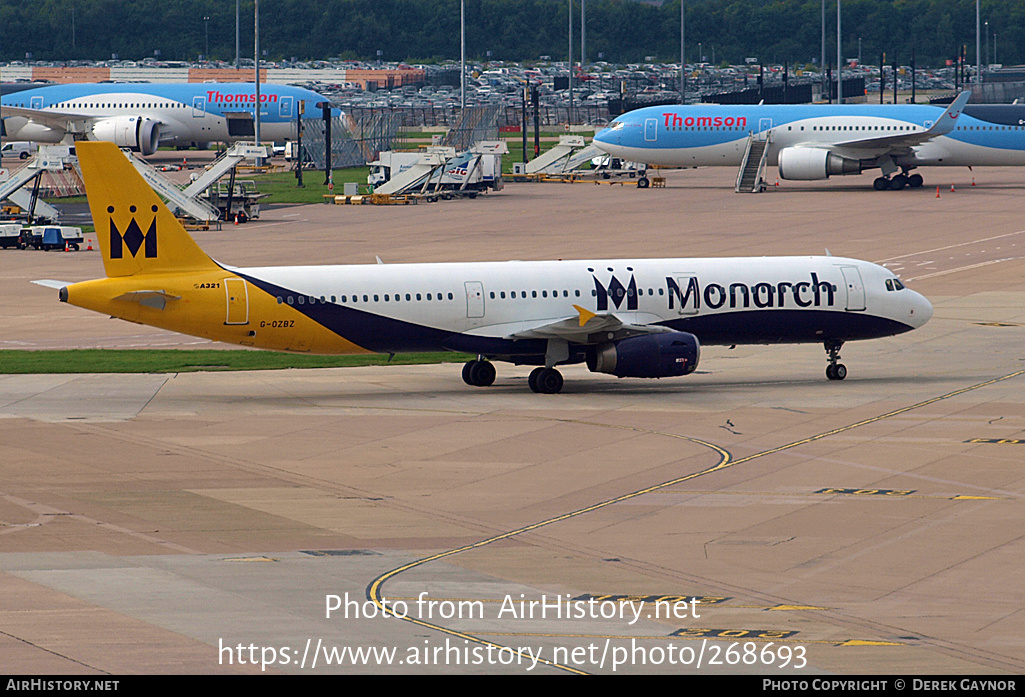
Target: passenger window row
{"x":376,"y":297}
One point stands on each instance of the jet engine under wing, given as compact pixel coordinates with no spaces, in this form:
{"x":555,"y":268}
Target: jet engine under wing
{"x":943,"y":125}
{"x":588,"y":328}
{"x":140,"y":133}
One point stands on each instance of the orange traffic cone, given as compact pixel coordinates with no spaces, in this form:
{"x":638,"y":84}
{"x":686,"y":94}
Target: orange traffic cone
{"x":951,"y":187}
{"x":937,"y":192}
{"x":973,"y":181}
{"x":236,"y":218}
{"x":67,"y":246}
{"x":88,"y":244}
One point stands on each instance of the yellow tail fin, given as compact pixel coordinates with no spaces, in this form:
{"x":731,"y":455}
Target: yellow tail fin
{"x":136,"y":232}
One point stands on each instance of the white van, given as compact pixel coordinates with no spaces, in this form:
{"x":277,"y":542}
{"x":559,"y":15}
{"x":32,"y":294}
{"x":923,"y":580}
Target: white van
{"x":20,"y":149}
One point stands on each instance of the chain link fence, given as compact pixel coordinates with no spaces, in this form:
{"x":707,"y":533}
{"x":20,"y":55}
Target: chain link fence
{"x":475,"y":124}
{"x":355,"y":141}
{"x":360,"y":134}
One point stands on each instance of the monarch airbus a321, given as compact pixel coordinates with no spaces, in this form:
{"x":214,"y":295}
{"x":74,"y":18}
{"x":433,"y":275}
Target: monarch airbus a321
{"x":643,"y":318}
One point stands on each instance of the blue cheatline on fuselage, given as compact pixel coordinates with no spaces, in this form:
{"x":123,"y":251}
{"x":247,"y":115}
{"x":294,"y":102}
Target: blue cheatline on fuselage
{"x":279,"y":102}
{"x":998,"y":126}
{"x":382,"y":334}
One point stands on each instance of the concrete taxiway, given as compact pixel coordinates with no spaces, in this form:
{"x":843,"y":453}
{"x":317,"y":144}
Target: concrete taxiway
{"x":203,"y":522}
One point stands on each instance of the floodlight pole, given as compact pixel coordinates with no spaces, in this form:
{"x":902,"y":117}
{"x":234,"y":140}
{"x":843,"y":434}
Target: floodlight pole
{"x":839,"y":58}
{"x":256,"y":55}
{"x":238,"y":61}
{"x":569,"y":117}
{"x":683,"y":55}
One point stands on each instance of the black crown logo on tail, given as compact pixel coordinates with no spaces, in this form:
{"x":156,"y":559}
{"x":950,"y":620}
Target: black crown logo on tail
{"x":133,"y":237}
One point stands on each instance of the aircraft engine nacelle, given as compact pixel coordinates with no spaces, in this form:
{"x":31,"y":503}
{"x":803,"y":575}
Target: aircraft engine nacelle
{"x":648,"y":356}
{"x":136,"y":132}
{"x":814,"y":163}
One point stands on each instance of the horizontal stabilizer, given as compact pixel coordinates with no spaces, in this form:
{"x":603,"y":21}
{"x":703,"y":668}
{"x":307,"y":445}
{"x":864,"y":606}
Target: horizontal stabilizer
{"x":50,"y":283}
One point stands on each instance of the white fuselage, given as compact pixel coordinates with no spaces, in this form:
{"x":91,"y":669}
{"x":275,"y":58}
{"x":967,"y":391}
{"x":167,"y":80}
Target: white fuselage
{"x":885,"y":136}
{"x":396,"y":307}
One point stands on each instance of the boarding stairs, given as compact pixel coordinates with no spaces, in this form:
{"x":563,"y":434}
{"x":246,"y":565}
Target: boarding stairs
{"x":421,"y":174}
{"x":50,"y":158}
{"x":187,"y":201}
{"x":582,"y":157}
{"x":65,"y":183}
{"x":752,"y":167}
{"x":232,"y":157}
{"x":553,"y":161}
{"x":176,"y":198}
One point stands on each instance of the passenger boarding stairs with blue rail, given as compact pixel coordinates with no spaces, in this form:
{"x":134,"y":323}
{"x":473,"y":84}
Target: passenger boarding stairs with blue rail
{"x":752,"y":167}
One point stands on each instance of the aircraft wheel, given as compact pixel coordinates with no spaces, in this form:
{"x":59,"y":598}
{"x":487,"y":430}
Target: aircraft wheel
{"x":915,"y":181}
{"x":642,"y":183}
{"x":479,"y":373}
{"x":898,"y":182}
{"x":881,"y":184}
{"x":483,"y":374}
{"x":836,"y":372}
{"x":549,"y":381}
{"x":532,"y":379}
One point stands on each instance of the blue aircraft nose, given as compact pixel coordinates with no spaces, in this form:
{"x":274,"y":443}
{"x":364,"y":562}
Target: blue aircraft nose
{"x":606,"y":136}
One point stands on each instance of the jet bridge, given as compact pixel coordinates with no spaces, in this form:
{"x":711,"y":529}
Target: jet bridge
{"x":51,"y":158}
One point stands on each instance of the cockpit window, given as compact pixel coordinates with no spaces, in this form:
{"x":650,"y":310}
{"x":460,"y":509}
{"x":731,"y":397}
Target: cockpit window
{"x":617,"y":125}
{"x":894,"y":284}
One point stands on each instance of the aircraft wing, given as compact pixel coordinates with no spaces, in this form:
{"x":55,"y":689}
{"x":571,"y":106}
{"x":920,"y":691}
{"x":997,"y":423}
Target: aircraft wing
{"x":588,"y":328}
{"x":57,"y":120}
{"x":943,"y":125}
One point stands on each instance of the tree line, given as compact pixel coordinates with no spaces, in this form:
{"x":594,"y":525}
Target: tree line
{"x":620,"y":31}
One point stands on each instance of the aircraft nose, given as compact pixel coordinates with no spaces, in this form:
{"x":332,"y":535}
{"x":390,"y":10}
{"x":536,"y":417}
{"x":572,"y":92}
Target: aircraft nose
{"x":603,"y":136}
{"x":919,"y":310}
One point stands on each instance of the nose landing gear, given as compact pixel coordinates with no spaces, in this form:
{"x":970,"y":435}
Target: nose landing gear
{"x":835,"y":370}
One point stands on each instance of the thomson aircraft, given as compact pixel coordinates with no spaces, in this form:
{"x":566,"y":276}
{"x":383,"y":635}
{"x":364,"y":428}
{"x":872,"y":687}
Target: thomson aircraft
{"x":644,"y":318}
{"x":144,"y":116}
{"x":816,"y":141}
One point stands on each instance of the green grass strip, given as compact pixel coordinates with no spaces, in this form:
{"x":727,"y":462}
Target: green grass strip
{"x":188,"y":361}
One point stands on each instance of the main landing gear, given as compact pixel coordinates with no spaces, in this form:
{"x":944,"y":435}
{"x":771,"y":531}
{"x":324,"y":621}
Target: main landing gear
{"x":479,"y":373}
{"x":898,"y":182}
{"x":834,"y":371}
{"x":545,"y":380}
